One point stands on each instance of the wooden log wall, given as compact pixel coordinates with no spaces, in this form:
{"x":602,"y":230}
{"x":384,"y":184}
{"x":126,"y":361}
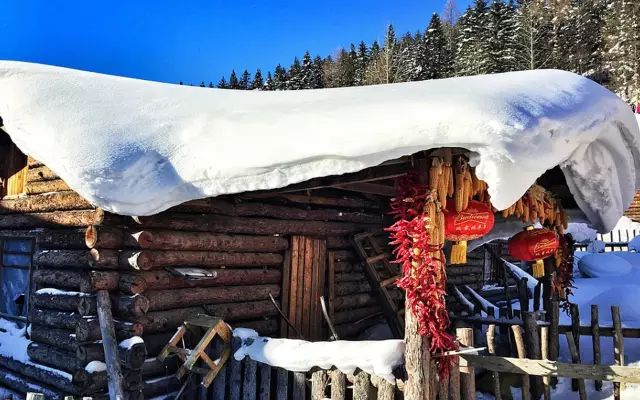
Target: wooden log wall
{"x":238,"y":244}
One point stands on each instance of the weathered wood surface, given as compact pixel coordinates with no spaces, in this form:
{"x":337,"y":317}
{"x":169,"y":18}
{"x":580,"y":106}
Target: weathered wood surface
{"x":318,"y":200}
{"x":338,"y":385}
{"x":58,"y":219}
{"x":162,"y":280}
{"x":58,"y":201}
{"x":161,"y":386}
{"x":41,"y":173}
{"x":263,"y":209}
{"x":354,"y":301}
{"x":60,"y":300}
{"x":89,"y":259}
{"x":84,"y":281}
{"x":250,"y":225}
{"x":355,"y":314}
{"x":116,"y":238}
{"x":62,"y":338}
{"x":160,"y":321}
{"x":153,"y":367}
{"x":417,"y":359}
{"x":549,"y":368}
{"x":132,"y":357}
{"x":21,"y":385}
{"x":156,"y":259}
{"x":86,"y":328}
{"x":108,"y":334}
{"x":39,"y":187}
{"x":177,"y":298}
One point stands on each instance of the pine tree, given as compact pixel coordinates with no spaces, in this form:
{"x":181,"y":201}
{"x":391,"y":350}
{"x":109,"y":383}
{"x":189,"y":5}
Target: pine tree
{"x":317,"y":73}
{"x":590,"y":48}
{"x":268,"y":83}
{"x":361,"y":61}
{"x":233,"y":80}
{"x":258,"y":83}
{"x":345,"y":69}
{"x":623,"y":37}
{"x":408,"y":63}
{"x":294,"y":75}
{"x":202,"y":84}
{"x":533,"y":35}
{"x":306,"y":72}
{"x":330,"y":72}
{"x":279,"y":78}
{"x":473,"y":54}
{"x":436,"y":58}
{"x":245,"y":81}
{"x":500,"y":32}
{"x":222,"y":83}
{"x":564,"y":35}
{"x":211,"y":85}
{"x":382,"y":68}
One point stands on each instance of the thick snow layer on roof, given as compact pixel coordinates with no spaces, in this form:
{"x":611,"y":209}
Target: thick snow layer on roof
{"x":135,"y":147}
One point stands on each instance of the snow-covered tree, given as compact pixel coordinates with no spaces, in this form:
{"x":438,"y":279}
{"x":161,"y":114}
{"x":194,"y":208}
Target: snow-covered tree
{"x":382,"y":69}
{"x":294,"y":75}
{"x":222,"y":83}
{"x":245,"y":81}
{"x":258,"y":83}
{"x":623,"y":42}
{"x":233,"y":80}
{"x":533,"y":35}
{"x":500,"y":37}
{"x":361,"y":61}
{"x":436,"y":58}
{"x":345,"y":68}
{"x":473,"y":55}
{"x":408,"y":59}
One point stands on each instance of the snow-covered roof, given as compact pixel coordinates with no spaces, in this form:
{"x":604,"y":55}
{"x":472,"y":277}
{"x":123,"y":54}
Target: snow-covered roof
{"x":135,"y":147}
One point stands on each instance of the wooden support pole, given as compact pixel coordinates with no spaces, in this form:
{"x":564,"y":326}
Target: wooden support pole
{"x":618,"y":347}
{"x":338,"y":385}
{"x":417,"y":359}
{"x":532,"y":344}
{"x":491,"y":346}
{"x":454,"y":382}
{"x":520,"y":348}
{"x":595,"y":339}
{"x":575,"y":331}
{"x":361,"y":386}
{"x":544,"y":348}
{"x":575,"y":358}
{"x":110,"y":344}
{"x":554,"y":330}
{"x":467,"y":374}
{"x":318,"y":383}
{"x":523,"y":294}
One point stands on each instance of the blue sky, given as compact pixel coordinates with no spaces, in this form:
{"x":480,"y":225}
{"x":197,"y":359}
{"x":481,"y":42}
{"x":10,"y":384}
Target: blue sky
{"x":195,"y":40}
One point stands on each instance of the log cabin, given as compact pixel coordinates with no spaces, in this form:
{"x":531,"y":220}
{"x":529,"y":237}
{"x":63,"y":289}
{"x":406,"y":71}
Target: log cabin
{"x":228,"y":254}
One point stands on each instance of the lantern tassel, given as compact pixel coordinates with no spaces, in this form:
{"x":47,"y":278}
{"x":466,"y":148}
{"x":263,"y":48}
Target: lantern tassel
{"x":538,"y":269}
{"x":459,"y":252}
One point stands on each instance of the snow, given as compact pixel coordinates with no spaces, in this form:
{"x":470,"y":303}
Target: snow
{"x":137,"y":148}
{"x":485,"y":304}
{"x":596,"y":246}
{"x":634,"y":244}
{"x":377,"y":357}
{"x":520,"y":273}
{"x":598,"y":265}
{"x":129,"y":343}
{"x":53,"y":291}
{"x":95,"y":366}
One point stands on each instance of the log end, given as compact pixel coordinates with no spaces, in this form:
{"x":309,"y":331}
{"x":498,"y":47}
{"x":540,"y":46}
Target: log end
{"x":91,"y":236}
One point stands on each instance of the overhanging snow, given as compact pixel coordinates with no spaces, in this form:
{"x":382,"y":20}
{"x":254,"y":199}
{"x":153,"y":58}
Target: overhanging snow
{"x":136,"y":148}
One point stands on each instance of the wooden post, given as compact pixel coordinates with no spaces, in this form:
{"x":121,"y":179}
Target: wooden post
{"x":282,"y":384}
{"x":618,"y":347}
{"x":417,"y":359}
{"x":532,"y":345}
{"x":575,"y":358}
{"x":519,"y":341}
{"x":361,"y":386}
{"x":536,"y":296}
{"x":595,"y":339}
{"x":575,"y":331}
{"x":318,"y":383}
{"x":554,"y":331}
{"x":264,"y":391}
{"x":523,"y":294}
{"x":454,"y":382}
{"x":467,"y":374}
{"x":338,"y":385}
{"x":544,"y":348}
{"x":299,"y":386}
{"x":110,"y":345}
{"x":491,"y":346}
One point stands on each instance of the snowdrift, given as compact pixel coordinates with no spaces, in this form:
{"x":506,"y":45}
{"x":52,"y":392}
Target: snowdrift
{"x":136,"y":148}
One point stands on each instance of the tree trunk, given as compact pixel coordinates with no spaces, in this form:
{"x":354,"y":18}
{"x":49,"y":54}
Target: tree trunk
{"x":104,"y":237}
{"x":252,"y":226}
{"x":56,"y":219}
{"x":57,"y":185}
{"x":60,"y":201}
{"x":155,"y":259}
{"x":161,"y":279}
{"x":417,"y":360}
{"x":94,"y":259}
{"x":262,"y":209}
{"x":58,"y":300}
{"x":108,"y":334}
{"x":177,"y":298}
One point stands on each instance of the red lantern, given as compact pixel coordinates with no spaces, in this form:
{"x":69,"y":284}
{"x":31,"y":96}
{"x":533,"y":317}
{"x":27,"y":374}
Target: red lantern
{"x":471,"y":223}
{"x":534,"y":245}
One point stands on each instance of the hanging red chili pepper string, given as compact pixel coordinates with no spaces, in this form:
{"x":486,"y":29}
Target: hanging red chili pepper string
{"x":562,"y":282}
{"x":424,"y":276}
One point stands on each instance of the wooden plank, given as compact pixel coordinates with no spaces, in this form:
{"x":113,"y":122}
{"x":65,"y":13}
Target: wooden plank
{"x":299,"y":386}
{"x":618,"y":347}
{"x":532,"y":344}
{"x":249,"y":379}
{"x":544,"y":341}
{"x":520,"y":348}
{"x":338,"y":385}
{"x":293,"y":303}
{"x":282,"y":384}
{"x":575,"y":358}
{"x":467,"y":373}
{"x":549,"y":368}
{"x":318,"y":384}
{"x":219,"y":383}
{"x":264,"y":392}
{"x":369,"y":188}
{"x":110,"y":345}
{"x":361,"y":386}
{"x":315,"y":296}
{"x":605,"y":331}
{"x":386,"y":391}
{"x":595,"y":340}
{"x":286,"y":290}
{"x":554,"y":330}
{"x":234,"y":378}
{"x":322,"y":257}
{"x":332,"y":283}
{"x":308,"y":282}
{"x":454,"y":382}
{"x":491,"y":346}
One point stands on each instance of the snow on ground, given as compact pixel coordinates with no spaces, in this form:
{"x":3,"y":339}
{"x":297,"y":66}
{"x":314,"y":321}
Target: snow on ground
{"x":155,"y":145}
{"x":378,"y":357}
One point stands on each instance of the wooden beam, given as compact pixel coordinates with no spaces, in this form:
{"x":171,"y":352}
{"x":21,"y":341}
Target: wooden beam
{"x":366,"y":187}
{"x":110,"y":345}
{"x":548,"y":368}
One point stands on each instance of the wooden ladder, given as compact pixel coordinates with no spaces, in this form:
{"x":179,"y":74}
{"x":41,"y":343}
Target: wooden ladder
{"x":212,"y":326}
{"x":382,"y":275}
